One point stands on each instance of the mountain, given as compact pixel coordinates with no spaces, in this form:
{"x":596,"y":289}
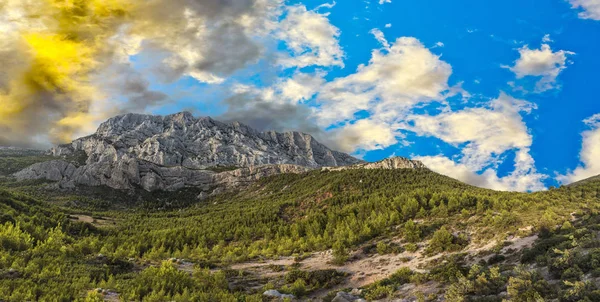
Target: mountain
{"x":386,"y":164}
{"x":325,"y":235}
{"x":200,"y":143}
{"x":176,"y":151}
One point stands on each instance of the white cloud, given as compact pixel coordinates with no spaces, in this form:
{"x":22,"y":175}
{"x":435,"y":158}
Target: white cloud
{"x":365,"y":134}
{"x":543,"y":63}
{"x":397,"y":77}
{"x":523,"y":178}
{"x":547,"y":39}
{"x":311,"y":39}
{"x":388,"y":25}
{"x":368,"y":110}
{"x":487,"y":131}
{"x":296,"y":89}
{"x":589,"y":155}
{"x":385,"y":1}
{"x":484,"y":134}
{"x":591,"y":8}
{"x":380,"y":37}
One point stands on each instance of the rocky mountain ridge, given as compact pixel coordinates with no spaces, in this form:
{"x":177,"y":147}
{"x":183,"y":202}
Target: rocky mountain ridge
{"x":177,"y":151}
{"x":199,"y":143}
{"x":386,"y":164}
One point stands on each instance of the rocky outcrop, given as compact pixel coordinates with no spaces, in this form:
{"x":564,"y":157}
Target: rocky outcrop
{"x":346,"y":297}
{"x":153,"y":177}
{"x":56,"y":170}
{"x":386,"y":164}
{"x":176,"y":151}
{"x":172,"y":152}
{"x":273,"y":294}
{"x":200,"y":143}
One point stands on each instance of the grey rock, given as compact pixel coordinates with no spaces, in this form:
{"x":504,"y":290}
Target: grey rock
{"x":275,"y":294}
{"x":386,"y":164}
{"x":151,"y":177}
{"x":346,"y":297}
{"x":182,"y":140}
{"x":172,"y":152}
{"x":56,"y":170}
{"x":177,"y":151}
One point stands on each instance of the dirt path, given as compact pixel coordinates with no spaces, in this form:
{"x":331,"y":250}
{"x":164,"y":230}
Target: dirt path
{"x":368,"y":269}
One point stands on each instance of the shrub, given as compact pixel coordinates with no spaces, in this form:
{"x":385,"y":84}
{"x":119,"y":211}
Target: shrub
{"x":442,"y":241}
{"x":379,"y":292}
{"x":497,"y":258}
{"x":382,"y":248}
{"x":411,"y":247}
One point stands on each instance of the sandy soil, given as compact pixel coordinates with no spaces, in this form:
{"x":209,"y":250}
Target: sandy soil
{"x":365,"y":270}
{"x":93,"y":221}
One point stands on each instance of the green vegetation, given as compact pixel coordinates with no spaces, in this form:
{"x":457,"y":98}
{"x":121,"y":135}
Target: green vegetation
{"x":46,"y":255}
{"x":301,"y":282}
{"x":15,"y":160}
{"x":571,"y":255}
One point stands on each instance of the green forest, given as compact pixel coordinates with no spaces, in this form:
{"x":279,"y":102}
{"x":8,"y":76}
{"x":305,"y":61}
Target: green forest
{"x":93,"y":244}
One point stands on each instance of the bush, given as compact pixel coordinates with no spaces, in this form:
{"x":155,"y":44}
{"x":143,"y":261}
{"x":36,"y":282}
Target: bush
{"x":315,"y":279}
{"x":382,"y":248}
{"x":442,"y":241}
{"x":411,"y":247}
{"x":497,"y":258}
{"x":340,"y":253}
{"x":379,"y":292}
{"x":572,"y":274}
{"x":298,"y":289}
{"x":412,"y":232}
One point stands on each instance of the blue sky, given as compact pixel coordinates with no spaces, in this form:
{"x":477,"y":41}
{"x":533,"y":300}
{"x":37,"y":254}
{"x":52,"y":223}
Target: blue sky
{"x":498,"y":94}
{"x":509,"y":88}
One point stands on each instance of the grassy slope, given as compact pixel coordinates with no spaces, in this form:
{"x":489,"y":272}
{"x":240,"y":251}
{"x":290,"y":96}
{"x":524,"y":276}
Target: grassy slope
{"x":282,"y":215}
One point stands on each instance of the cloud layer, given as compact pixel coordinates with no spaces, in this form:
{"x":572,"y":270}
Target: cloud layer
{"x":591,"y":8}
{"x":373,"y":107}
{"x":542,"y":63}
{"x":484,"y":134}
{"x":590,"y":152}
{"x":58,"y":56}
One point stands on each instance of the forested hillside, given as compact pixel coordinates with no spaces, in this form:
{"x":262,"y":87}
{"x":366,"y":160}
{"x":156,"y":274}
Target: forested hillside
{"x":93,"y":245}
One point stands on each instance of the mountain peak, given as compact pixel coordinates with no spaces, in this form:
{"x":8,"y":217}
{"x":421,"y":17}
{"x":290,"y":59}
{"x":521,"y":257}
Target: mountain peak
{"x":165,"y":152}
{"x":182,"y":140}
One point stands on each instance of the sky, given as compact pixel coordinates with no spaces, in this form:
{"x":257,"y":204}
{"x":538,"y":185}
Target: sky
{"x":498,"y":94}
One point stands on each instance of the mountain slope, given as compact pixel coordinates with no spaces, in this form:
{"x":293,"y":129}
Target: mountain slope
{"x":182,"y":140}
{"x":177,"y":151}
{"x":389,"y":233}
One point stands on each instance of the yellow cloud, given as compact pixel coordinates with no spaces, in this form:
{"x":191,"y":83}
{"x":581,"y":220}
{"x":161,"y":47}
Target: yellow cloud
{"x":58,"y":65}
{"x":62,"y":42}
{"x":58,"y":56}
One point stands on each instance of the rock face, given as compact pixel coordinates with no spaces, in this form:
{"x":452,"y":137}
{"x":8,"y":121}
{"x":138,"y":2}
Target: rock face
{"x":56,"y":170}
{"x":176,"y":151}
{"x":346,"y":297}
{"x":152,"y":177}
{"x":182,"y":140}
{"x":386,"y":164}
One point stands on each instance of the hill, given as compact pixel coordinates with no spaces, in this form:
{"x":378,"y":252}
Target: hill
{"x":182,"y":209}
{"x":382,"y":233}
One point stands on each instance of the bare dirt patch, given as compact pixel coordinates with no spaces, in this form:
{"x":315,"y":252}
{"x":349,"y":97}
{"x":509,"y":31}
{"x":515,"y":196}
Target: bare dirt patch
{"x":95,"y":221}
{"x":367,"y":269}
